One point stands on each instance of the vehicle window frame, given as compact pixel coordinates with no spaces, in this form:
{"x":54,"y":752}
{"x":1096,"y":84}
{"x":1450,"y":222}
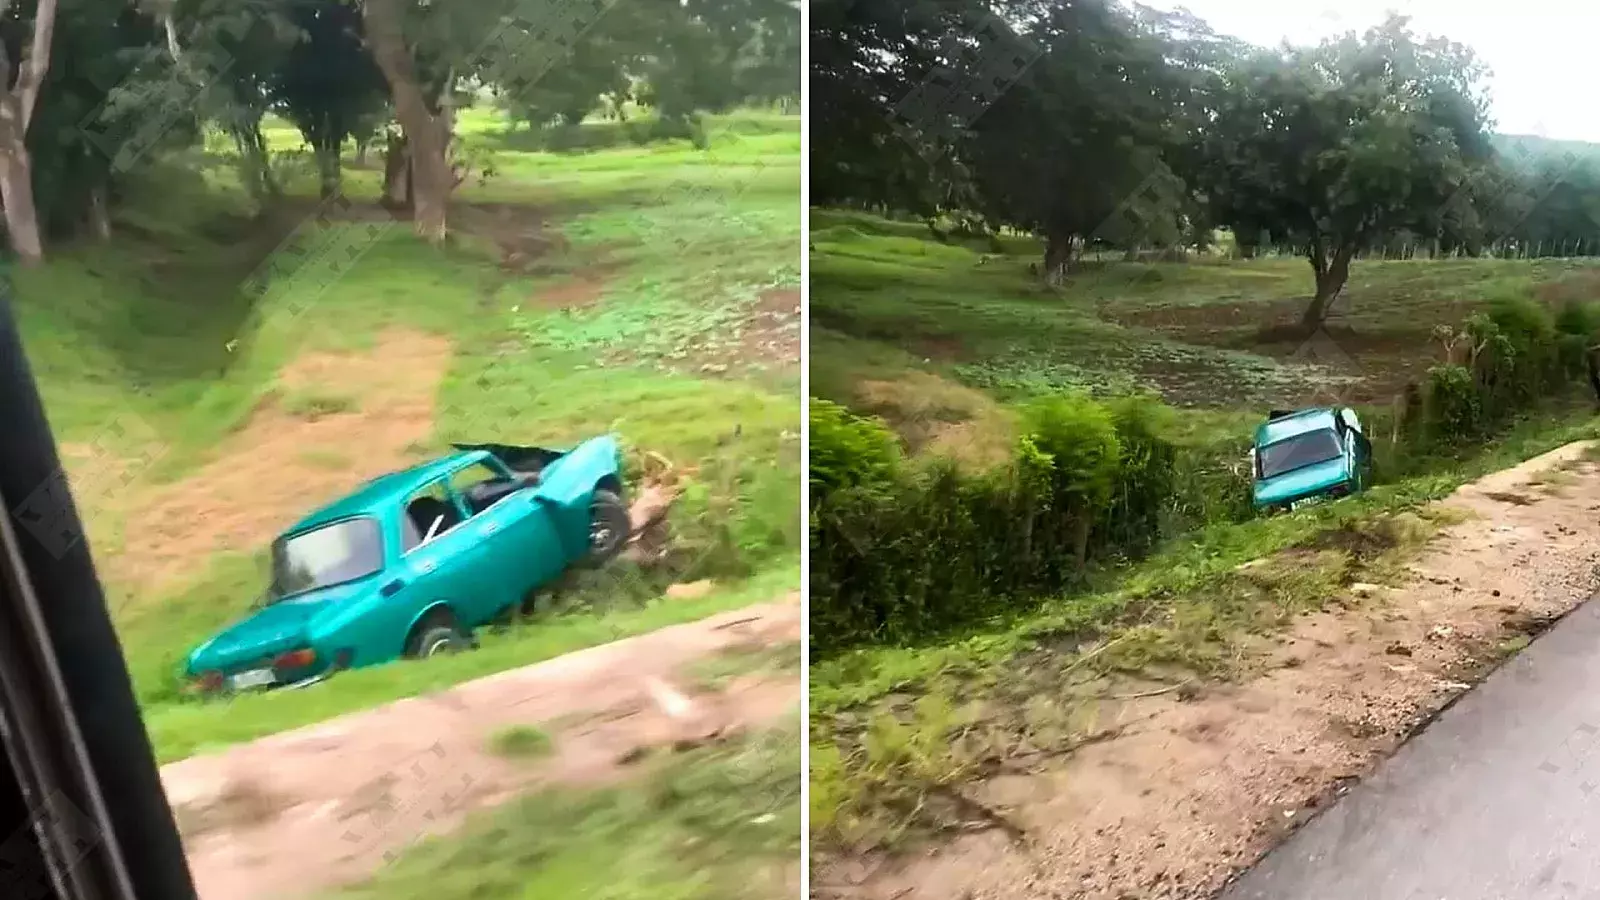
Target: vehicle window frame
{"x":443,"y":481}
{"x":497,"y":473}
{"x":283,"y":540}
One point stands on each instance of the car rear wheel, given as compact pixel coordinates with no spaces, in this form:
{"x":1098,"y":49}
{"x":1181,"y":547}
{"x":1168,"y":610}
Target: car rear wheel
{"x":609,"y":526}
{"x":438,"y":635}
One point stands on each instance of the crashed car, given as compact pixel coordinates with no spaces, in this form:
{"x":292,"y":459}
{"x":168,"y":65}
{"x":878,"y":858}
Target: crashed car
{"x":410,"y":563}
{"x":1309,"y":456}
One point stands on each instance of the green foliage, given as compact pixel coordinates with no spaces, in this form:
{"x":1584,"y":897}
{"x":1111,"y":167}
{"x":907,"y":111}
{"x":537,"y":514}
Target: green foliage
{"x":1455,"y":412}
{"x":848,"y":451}
{"x":1519,"y":356}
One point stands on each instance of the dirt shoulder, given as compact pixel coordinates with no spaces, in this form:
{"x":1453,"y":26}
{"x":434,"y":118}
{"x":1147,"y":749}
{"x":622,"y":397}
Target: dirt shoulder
{"x":310,"y":809}
{"x":1186,"y":788}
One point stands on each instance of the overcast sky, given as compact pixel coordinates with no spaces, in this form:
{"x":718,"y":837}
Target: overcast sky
{"x":1543,"y":55}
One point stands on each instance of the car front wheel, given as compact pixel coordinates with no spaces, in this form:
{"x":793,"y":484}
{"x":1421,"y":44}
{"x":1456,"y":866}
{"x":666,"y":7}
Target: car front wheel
{"x":609,"y":527}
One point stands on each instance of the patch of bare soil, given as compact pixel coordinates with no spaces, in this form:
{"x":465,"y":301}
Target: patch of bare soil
{"x":582,"y":291}
{"x":1580,"y":286}
{"x":1378,"y":362}
{"x":941,"y":417}
{"x":766,"y":339}
{"x":261,"y":479}
{"x":1183,"y":791}
{"x":300,"y":812}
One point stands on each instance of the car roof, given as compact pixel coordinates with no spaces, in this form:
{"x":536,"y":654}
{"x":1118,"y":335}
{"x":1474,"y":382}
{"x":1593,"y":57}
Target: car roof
{"x":385,"y":488}
{"x":1297,"y":423}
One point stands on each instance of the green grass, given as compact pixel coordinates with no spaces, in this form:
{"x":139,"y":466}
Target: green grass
{"x":149,"y":354}
{"x":520,"y":742}
{"x":719,"y":823}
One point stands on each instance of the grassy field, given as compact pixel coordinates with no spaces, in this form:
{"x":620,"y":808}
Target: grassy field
{"x":888,"y":301}
{"x":630,"y":288}
{"x":947,"y":341}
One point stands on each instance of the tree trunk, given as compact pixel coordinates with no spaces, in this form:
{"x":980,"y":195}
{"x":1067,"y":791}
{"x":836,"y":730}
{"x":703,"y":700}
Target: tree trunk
{"x":1331,"y":274}
{"x":361,"y":151}
{"x":426,"y":133}
{"x":99,"y":213}
{"x":16,"y":113}
{"x":255,"y":168}
{"x":16,"y":193}
{"x":1081,"y":527}
{"x":1057,"y":257}
{"x":328,"y":172}
{"x":396,"y":174}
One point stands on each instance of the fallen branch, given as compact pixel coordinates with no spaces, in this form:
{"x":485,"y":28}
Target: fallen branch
{"x":1093,"y":653}
{"x":1155,"y":693}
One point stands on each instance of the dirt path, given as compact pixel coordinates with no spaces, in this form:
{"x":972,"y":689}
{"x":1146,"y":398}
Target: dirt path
{"x":1192,"y":790}
{"x":308,"y":809}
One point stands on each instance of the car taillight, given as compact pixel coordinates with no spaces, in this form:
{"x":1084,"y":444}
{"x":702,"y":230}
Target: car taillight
{"x":295,"y":659}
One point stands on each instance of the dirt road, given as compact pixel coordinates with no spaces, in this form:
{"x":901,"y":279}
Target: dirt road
{"x":305,"y":810}
{"x":1496,"y":799}
{"x":1191,"y":790}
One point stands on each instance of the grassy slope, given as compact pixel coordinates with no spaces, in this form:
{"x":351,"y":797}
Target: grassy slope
{"x":131,"y":345}
{"x":945,"y":347}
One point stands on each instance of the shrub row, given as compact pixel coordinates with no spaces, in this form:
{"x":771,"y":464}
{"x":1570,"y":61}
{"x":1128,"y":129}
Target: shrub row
{"x":1503,"y":363}
{"x":900,"y":550}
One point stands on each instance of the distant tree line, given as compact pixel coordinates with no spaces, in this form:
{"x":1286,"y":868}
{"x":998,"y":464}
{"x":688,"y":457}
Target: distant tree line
{"x":98,"y":90}
{"x":1098,"y":125}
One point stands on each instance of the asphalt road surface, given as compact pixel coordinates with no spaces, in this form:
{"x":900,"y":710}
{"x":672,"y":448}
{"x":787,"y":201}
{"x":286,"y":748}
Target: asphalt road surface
{"x":1498,"y":799}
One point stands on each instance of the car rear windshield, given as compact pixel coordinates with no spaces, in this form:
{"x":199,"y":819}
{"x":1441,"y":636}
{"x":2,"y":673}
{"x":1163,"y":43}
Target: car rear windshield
{"x":322,"y":557}
{"x":1298,"y":452}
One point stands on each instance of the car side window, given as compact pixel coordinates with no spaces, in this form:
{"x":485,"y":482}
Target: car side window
{"x":480,"y":486}
{"x":429,"y":513}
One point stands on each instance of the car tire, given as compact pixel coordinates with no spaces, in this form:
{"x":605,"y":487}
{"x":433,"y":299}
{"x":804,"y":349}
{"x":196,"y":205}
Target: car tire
{"x":436,"y":636}
{"x":609,"y":528}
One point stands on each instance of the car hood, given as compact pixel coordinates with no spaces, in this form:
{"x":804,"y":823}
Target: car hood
{"x":1302,"y":482}
{"x":270,"y":630}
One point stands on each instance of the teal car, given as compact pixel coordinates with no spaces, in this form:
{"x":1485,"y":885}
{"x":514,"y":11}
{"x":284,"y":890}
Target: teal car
{"x":413,"y":561}
{"x":1305,"y":457}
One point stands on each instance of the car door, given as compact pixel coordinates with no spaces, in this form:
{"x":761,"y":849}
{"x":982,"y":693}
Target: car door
{"x":521,"y":542}
{"x":1359,"y":448}
{"x":443,"y":559}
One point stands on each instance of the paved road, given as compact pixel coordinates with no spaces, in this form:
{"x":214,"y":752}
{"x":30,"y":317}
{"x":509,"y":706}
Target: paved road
{"x":1499,"y":799}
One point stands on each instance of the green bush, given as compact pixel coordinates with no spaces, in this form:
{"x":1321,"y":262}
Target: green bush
{"x":910,"y":551}
{"x":1454,"y":407}
{"x":847,"y":450}
{"x":1519,"y":356}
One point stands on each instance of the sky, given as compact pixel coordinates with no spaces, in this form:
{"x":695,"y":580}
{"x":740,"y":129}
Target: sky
{"x":1542,"y":54}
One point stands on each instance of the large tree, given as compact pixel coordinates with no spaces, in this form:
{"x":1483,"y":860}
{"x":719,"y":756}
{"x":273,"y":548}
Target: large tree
{"x":1073,"y":151}
{"x":1333,"y":147}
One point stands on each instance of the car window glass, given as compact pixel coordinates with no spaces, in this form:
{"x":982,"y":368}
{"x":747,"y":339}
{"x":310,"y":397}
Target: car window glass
{"x":480,"y":487}
{"x":1298,"y":452}
{"x":332,"y":554}
{"x":430,"y":513}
